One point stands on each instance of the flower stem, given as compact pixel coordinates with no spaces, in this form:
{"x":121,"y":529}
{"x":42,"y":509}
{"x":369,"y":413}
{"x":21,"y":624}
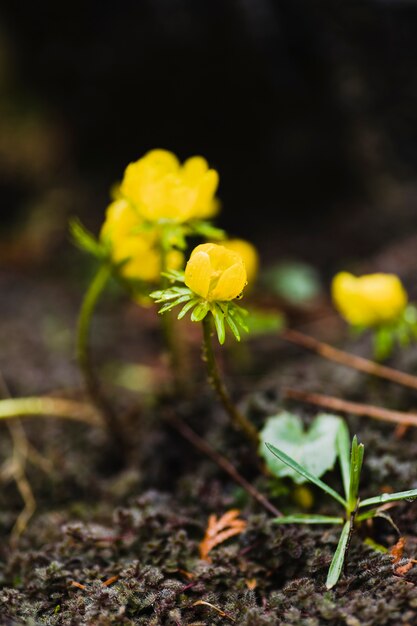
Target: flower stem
{"x":91,"y":298}
{"x":178,"y":358}
{"x":238,"y":419}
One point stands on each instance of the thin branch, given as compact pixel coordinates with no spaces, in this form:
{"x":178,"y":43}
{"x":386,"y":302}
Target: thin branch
{"x":202,"y":445}
{"x":349,"y":360}
{"x":356,"y":408}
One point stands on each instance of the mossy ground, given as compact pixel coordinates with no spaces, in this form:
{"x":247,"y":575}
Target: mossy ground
{"x":142,"y":523}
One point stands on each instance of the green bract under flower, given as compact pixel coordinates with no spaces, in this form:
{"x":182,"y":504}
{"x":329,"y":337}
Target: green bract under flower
{"x":213,"y":277}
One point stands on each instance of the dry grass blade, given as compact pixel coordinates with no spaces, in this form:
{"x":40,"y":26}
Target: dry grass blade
{"x":216,"y":608}
{"x":220,"y":529}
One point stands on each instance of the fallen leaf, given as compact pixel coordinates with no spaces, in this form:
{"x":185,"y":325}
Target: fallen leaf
{"x":218,"y":530}
{"x":397,"y":551}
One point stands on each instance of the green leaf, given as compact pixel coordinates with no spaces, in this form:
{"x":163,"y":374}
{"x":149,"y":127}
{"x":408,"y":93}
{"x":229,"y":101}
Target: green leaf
{"x":343,"y":452}
{"x":356,"y":460}
{"x":410,"y":496}
{"x":295,"y":282}
{"x":85,"y":240}
{"x":171,"y":305}
{"x":336,"y":565}
{"x":174,"y":275}
{"x":378,"y":547}
{"x":218,"y":317}
{"x":314,"y":449}
{"x":305,"y":518}
{"x":383,"y":342}
{"x":233,"y":327}
{"x":262,"y":322}
{"x":186,"y":308}
{"x":305,"y":473}
{"x":200,"y":311}
{"x":207,"y":230}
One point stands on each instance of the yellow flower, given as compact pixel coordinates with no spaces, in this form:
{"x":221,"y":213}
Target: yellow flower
{"x":215,"y":273}
{"x":369,"y":300}
{"x":121,"y":221}
{"x":248,"y":253}
{"x":161,"y":188}
{"x":138,"y":248}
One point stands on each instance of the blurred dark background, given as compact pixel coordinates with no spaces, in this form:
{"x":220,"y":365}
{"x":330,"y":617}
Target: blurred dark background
{"x":307,"y":109}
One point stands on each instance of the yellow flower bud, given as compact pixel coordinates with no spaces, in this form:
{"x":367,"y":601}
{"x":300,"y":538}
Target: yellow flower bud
{"x":249,"y":254}
{"x":161,"y":188}
{"x":215,"y":273}
{"x":138,"y":248}
{"x":369,"y":300}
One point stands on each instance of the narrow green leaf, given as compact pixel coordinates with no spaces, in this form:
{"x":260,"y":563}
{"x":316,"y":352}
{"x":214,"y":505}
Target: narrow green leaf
{"x":356,"y":460}
{"x":156,"y":295}
{"x":200,"y":312}
{"x":218,"y":317}
{"x":361,"y":517}
{"x":233,"y":327}
{"x":171,"y":305}
{"x":303,"y":472}
{"x":308,"y":519}
{"x":186,"y":308}
{"x":378,"y":547}
{"x":174,"y":275}
{"x":85,"y":240}
{"x":343,"y":452}
{"x":336,"y":565}
{"x":390,"y":497}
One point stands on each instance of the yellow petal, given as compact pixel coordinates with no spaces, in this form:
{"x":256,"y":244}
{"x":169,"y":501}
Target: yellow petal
{"x":230,"y":284}
{"x":198,"y":272}
{"x":248,"y":253}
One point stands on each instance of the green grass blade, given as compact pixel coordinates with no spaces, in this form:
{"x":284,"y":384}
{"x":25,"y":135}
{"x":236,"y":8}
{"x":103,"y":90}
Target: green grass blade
{"x":305,"y":518}
{"x":389,"y":497}
{"x":355,"y":472}
{"x":303,"y":472}
{"x":366,"y":515}
{"x":338,"y":558}
{"x":343,"y":452}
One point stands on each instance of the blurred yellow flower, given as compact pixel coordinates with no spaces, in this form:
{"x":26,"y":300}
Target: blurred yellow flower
{"x":160,"y":188}
{"x":215,"y":273}
{"x":121,"y":221}
{"x":136,"y":247}
{"x":249,"y":254}
{"x":369,"y":300}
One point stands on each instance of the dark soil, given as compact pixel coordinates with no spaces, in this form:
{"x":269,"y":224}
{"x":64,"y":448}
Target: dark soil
{"x":142,"y":523}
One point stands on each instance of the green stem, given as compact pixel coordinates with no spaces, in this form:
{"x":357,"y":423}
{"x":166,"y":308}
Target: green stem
{"x":238,"y":419}
{"x":173,"y":342}
{"x":46,"y":406}
{"x":91,"y":298}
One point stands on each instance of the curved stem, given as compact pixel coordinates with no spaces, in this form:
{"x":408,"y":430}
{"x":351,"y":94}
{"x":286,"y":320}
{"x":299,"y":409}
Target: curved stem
{"x":238,"y":419}
{"x":91,"y":298}
{"x":47,"y":406}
